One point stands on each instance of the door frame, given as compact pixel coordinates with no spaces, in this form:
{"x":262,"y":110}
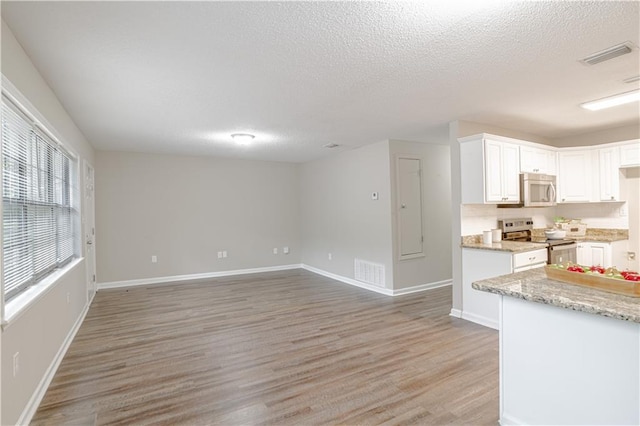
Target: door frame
{"x":89,"y":228}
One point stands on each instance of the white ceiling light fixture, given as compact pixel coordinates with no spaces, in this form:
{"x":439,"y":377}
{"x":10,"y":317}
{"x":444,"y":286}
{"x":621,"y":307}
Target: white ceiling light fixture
{"x":242,"y":138}
{"x":611,"y":101}
{"x":609,"y":53}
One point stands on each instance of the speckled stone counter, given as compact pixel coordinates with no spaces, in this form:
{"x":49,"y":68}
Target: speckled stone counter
{"x":533,"y":285}
{"x":510,"y":246}
{"x":592,"y":234}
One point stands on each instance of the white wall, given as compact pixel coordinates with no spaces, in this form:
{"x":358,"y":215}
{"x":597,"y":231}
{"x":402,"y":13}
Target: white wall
{"x":185,"y":209}
{"x":40,"y":331}
{"x":338,"y":216}
{"x":435,"y":266}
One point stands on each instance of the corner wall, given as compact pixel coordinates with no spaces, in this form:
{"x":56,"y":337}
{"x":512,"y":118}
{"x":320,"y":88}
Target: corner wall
{"x":338,"y":216}
{"x":41,"y":331}
{"x":435,"y":265}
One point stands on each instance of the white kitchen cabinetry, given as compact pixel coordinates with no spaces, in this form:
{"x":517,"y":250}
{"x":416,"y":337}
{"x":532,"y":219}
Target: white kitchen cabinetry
{"x":590,"y":253}
{"x":574,"y":184}
{"x":478,"y":264}
{"x":538,"y":160}
{"x":490,"y":170}
{"x":609,"y":159}
{"x":630,"y":154}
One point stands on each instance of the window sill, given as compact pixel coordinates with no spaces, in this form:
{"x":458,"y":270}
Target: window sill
{"x":21,"y":303}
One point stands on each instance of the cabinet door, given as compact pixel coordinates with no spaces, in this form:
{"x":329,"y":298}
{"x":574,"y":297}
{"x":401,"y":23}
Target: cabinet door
{"x":511,"y":172}
{"x":502,"y":172}
{"x":537,"y":160}
{"x":574,"y":176}
{"x":609,"y":174}
{"x":493,"y":172}
{"x":591,"y":253}
{"x":630,"y":154}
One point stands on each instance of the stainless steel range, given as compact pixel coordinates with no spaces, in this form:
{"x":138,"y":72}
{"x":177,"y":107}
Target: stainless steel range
{"x":558,"y":251}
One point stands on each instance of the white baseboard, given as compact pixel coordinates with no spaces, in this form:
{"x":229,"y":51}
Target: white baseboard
{"x":36,"y":398}
{"x":479,"y":319}
{"x":349,"y":281}
{"x":422,"y":287}
{"x":456,"y":313}
{"x":192,"y":277}
{"x":381,"y":290}
{"x":505,"y":420}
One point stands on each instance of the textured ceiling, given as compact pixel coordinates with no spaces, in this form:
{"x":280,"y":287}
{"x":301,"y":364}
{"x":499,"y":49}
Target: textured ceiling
{"x":180,"y":77}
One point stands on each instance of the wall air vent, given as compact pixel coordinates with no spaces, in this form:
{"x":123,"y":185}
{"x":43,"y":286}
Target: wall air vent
{"x":369,"y":272}
{"x":610,"y":53}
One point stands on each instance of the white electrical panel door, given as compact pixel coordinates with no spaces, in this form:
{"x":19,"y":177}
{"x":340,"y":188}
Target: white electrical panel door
{"x":409,"y":207}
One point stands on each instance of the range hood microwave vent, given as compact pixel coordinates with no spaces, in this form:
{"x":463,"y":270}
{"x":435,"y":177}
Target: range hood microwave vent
{"x":610,"y":53}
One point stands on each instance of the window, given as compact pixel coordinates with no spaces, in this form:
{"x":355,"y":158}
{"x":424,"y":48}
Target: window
{"x":39,"y":214}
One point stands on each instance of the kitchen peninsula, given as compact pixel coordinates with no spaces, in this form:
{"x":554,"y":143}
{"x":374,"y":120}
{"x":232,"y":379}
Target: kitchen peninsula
{"x":569,"y":354}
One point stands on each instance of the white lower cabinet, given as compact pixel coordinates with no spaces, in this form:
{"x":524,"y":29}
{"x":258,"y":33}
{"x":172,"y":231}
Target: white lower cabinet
{"x":591,"y":253}
{"x":478,"y":264}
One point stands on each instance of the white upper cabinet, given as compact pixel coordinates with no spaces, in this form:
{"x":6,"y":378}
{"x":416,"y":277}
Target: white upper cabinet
{"x":574,"y":176}
{"x":490,"y":171}
{"x":502,"y":172}
{"x":630,"y":154}
{"x":609,"y":159}
{"x":538,"y":160}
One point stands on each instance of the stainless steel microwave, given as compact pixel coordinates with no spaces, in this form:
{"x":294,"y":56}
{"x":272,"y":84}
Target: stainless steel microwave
{"x":537,"y":190}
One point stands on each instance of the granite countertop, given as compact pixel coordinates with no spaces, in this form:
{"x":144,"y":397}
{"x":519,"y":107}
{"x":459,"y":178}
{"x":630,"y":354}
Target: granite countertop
{"x":511,"y":246}
{"x":592,"y":234}
{"x":533,"y":285}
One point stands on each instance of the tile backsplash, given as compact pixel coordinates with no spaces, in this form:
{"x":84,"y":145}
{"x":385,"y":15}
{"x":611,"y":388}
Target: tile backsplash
{"x":480,"y":217}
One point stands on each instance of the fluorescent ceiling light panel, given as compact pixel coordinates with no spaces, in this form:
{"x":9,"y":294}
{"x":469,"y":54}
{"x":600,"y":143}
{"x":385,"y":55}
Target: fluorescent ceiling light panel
{"x":611,"y":101}
{"x":242,"y":138}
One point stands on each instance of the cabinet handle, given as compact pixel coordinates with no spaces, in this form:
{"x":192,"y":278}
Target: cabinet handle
{"x":613,"y":198}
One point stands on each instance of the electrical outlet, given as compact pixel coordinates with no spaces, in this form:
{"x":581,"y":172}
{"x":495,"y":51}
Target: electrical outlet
{"x":219,"y":255}
{"x":329,"y":256}
{"x":285,"y":250}
{"x":16,"y":364}
{"x":623,"y":210}
{"x":154,"y":259}
{"x":275,"y":250}
{"x":224,"y":253}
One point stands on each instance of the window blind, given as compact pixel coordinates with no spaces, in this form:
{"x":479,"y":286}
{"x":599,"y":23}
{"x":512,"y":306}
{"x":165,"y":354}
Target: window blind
{"x":38,"y":203}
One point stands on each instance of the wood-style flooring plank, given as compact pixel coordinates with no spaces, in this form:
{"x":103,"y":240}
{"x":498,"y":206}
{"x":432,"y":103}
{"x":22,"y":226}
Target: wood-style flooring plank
{"x":277,"y":348}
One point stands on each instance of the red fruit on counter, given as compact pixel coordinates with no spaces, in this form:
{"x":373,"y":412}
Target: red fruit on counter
{"x":632,"y":277}
{"x":575,"y":268}
{"x":598,"y":269}
{"x":625,"y":273}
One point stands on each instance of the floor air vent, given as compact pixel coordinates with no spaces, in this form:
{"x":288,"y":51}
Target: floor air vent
{"x":369,"y":272}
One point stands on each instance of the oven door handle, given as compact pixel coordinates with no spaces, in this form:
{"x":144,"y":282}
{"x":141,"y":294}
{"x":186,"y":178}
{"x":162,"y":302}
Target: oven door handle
{"x":564,"y":247}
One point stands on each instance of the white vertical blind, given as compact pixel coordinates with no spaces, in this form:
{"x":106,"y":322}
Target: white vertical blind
{"x":39,"y":215}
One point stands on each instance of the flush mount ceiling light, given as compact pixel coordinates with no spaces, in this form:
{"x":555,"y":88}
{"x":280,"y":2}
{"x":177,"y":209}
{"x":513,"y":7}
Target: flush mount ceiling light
{"x":611,"y":101}
{"x":242,"y":138}
{"x":609,"y":53}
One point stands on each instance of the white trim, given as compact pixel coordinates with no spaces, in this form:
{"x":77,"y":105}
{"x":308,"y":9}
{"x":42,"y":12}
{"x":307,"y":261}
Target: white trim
{"x":349,"y":281}
{"x":16,"y":96}
{"x":479,"y":319}
{"x":191,"y":277}
{"x":23,"y":301}
{"x":37,"y":396}
{"x":508,"y":420}
{"x":422,"y":287}
{"x":457,"y":313}
{"x":381,"y":290}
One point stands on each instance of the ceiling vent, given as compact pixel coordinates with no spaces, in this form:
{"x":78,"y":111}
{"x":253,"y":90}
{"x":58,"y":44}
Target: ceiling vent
{"x":610,"y":53}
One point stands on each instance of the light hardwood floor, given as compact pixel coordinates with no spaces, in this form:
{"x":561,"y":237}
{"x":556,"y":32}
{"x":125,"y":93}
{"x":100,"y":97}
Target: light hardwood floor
{"x":278,"y":348}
